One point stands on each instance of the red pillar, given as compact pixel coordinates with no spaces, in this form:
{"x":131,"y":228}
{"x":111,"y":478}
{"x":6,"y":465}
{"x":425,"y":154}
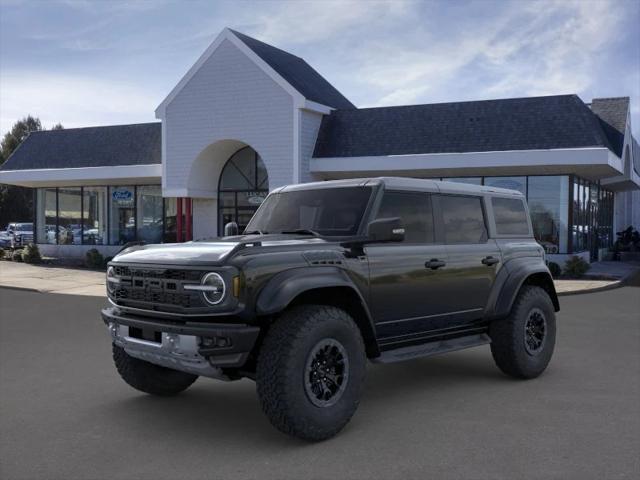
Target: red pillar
{"x":188,"y":230}
{"x":179,"y":220}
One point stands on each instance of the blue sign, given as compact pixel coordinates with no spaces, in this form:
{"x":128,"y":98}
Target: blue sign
{"x":122,"y":196}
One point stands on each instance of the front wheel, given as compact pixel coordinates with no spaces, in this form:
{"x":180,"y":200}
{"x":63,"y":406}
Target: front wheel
{"x":522,"y":344}
{"x":311,"y":371}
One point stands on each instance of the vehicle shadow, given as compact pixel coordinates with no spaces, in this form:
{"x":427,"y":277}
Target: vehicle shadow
{"x":211,"y":411}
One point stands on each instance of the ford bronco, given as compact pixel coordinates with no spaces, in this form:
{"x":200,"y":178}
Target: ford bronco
{"x":325,"y":277}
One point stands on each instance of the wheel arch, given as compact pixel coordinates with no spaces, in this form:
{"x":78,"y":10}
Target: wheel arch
{"x":524,"y":273}
{"x":319,"y":286}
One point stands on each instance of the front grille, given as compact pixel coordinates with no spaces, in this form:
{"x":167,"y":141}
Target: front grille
{"x":139,"y":295}
{"x":159,"y":289}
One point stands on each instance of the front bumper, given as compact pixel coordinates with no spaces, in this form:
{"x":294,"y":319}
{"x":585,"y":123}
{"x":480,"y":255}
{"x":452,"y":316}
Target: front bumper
{"x":194,"y":347}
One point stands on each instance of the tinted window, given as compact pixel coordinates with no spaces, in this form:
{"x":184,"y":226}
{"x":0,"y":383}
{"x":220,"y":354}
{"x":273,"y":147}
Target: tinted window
{"x":510,"y":215}
{"x":414,"y":210}
{"x":328,"y":211}
{"x":463,"y":219}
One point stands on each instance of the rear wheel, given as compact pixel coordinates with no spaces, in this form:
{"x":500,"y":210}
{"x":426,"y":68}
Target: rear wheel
{"x":311,"y":371}
{"x":150,"y":378}
{"x":522,"y":344}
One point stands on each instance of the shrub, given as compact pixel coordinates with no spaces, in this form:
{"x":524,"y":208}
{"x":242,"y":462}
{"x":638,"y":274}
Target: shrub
{"x":94,"y":259}
{"x":555,"y":269}
{"x":16,"y":256}
{"x":31,"y":254}
{"x":576,"y":267}
{"x":2,"y":254}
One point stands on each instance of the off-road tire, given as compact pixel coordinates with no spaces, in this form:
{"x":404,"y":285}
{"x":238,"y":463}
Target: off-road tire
{"x":150,"y":378}
{"x":508,"y":335}
{"x":281,"y":371}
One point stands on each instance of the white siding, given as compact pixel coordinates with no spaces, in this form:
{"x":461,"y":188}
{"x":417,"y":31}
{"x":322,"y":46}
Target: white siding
{"x":309,"y":126}
{"x":229,"y":97}
{"x":205,"y":218}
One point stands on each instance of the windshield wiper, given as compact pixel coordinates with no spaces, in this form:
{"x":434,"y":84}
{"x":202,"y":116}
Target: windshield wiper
{"x":302,"y":231}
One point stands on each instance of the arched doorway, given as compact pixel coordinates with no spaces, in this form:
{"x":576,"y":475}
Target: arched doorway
{"x":244,"y":184}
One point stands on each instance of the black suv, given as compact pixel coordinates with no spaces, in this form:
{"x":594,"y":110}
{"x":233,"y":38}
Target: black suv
{"x":325,"y":276}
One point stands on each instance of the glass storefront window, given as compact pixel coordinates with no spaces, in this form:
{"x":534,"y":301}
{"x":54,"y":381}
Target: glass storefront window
{"x":548,"y":200}
{"x":243,"y":186}
{"x":70,"y":216}
{"x":170,"y":224}
{"x":512,"y":183}
{"x":149,"y":213}
{"x":94,"y":215}
{"x":46,"y":216}
{"x":122,"y":228}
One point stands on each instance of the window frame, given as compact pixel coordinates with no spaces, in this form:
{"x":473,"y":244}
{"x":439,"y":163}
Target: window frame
{"x":440,"y":227}
{"x":494,"y":224}
{"x":429,"y":197}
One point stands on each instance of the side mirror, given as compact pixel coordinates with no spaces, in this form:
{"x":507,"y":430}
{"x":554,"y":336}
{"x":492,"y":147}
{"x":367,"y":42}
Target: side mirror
{"x":385,"y":230}
{"x":231,"y":229}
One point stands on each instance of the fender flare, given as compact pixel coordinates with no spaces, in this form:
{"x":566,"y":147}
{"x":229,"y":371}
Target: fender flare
{"x":507,"y":286}
{"x":284,"y":287}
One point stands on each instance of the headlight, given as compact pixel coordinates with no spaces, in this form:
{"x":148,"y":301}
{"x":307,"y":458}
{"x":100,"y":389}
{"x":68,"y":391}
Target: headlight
{"x":211,"y":287}
{"x":112,"y":280}
{"x":18,"y":238}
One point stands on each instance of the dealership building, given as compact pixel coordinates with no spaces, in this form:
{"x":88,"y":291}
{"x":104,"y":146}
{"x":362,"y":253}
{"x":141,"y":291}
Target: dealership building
{"x":249,"y":117}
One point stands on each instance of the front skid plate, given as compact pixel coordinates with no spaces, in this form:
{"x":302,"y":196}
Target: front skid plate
{"x":178,"y":352}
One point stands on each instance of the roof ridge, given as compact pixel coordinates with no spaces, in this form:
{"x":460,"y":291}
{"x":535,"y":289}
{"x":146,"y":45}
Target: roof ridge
{"x":626,"y":97}
{"x":237,"y":33}
{"x":465,"y":101}
{"x":97,"y":126}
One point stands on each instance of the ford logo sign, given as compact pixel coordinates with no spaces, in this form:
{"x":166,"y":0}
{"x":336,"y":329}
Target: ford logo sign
{"x":122,"y":195}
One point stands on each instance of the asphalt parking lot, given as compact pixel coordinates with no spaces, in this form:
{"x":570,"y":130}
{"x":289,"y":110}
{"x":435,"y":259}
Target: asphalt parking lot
{"x":65,"y":414}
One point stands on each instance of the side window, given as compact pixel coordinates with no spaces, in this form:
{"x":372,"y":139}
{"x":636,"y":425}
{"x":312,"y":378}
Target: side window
{"x":463,"y":219}
{"x":510,"y":215}
{"x":414,"y":209}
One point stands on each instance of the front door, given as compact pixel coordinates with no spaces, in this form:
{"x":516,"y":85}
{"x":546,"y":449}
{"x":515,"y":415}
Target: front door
{"x":406,"y":288}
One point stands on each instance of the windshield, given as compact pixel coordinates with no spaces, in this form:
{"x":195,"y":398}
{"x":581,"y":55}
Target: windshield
{"x":24,"y":227}
{"x":327,"y":211}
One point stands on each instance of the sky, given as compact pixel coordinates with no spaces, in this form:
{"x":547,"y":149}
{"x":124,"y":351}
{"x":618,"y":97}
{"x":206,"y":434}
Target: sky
{"x":85,"y":63}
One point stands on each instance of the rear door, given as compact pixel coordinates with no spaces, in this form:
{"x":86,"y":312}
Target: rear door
{"x":473,"y":258}
{"x":406,"y":287}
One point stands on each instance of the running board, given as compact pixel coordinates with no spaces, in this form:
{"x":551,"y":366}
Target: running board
{"x":432,"y":348}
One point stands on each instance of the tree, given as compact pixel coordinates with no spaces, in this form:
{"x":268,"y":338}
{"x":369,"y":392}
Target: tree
{"x":14,"y":137}
{"x":16,"y":203}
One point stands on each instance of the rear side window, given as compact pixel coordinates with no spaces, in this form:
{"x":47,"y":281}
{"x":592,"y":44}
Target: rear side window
{"x":414,"y":210}
{"x":463,"y":219}
{"x":510,"y":215}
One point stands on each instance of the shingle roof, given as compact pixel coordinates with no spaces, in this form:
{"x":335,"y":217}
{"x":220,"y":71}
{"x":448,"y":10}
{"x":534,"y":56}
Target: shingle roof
{"x":298,"y":73}
{"x":137,"y":144}
{"x":562,"y":121}
{"x":612,"y":113}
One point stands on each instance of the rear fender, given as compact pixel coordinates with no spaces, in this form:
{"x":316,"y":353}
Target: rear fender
{"x":510,"y":280}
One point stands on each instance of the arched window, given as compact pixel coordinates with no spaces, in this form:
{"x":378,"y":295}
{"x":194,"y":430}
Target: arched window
{"x":243,"y":186}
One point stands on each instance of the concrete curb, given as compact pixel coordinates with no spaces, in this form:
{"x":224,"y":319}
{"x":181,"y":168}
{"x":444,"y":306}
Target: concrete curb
{"x":25,"y":289}
{"x":613,"y":286}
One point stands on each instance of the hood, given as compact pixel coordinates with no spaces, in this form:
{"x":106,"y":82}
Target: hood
{"x":214,"y":251}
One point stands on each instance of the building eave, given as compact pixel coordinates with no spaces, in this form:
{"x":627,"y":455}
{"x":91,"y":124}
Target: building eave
{"x":85,"y":176}
{"x":593,"y":163}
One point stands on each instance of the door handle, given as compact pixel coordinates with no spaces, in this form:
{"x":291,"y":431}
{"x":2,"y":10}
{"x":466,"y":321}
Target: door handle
{"x":434,"y":264}
{"x":488,"y":261}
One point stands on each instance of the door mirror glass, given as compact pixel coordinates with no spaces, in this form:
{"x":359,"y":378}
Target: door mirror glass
{"x":385,"y":230}
{"x":231,"y":229}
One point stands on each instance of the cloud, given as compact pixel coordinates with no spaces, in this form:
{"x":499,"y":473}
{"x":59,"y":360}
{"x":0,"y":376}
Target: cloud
{"x":74,"y":101}
{"x":534,"y":48}
{"x":309,"y":21}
